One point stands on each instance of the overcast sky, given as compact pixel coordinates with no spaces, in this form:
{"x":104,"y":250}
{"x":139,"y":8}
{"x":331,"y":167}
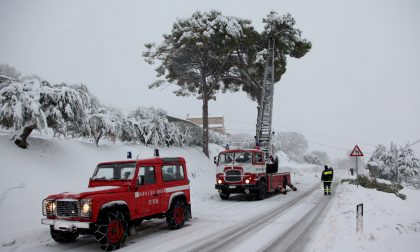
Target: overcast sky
{"x":360,"y":83}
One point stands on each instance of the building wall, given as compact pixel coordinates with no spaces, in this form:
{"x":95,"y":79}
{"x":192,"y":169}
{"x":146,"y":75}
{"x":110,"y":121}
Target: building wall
{"x":216,"y":123}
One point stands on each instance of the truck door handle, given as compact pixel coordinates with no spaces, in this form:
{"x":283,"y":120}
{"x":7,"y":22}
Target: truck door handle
{"x":156,"y":194}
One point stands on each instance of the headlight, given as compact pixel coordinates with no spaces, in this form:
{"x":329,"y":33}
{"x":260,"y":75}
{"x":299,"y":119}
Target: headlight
{"x":85,"y":208}
{"x":219,"y":181}
{"x":49,"y":207}
{"x":246,"y":181}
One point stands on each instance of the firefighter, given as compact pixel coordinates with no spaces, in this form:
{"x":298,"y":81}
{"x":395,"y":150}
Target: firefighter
{"x":327,"y":177}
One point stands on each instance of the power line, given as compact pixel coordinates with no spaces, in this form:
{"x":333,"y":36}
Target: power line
{"x":316,"y":133}
{"x":311,"y":132}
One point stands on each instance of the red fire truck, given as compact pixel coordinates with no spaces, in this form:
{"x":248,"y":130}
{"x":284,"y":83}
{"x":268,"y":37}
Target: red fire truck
{"x":246,"y":171}
{"x":120,"y":195}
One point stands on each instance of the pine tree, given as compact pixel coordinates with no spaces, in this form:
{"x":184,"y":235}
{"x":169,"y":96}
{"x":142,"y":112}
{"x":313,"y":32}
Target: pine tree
{"x":197,"y":56}
{"x":209,"y":52}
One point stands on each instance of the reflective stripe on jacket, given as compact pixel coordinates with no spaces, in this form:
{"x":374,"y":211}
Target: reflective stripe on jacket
{"x":327,"y":175}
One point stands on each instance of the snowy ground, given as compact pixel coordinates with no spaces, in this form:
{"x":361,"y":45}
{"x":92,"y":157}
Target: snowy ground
{"x":51,"y":166}
{"x":389,"y":223}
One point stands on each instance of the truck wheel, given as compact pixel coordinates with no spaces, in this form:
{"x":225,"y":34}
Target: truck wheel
{"x":63,"y":236}
{"x":224,"y":195}
{"x":285,"y":186}
{"x":262,"y":191}
{"x":177,"y":214}
{"x":111,"y":230}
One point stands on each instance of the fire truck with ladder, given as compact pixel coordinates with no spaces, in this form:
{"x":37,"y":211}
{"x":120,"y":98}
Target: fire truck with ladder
{"x":254,"y":171}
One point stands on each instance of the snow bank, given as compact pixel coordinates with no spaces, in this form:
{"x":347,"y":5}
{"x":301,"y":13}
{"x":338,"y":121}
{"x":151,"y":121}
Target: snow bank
{"x":301,"y":173}
{"x":390,"y":224}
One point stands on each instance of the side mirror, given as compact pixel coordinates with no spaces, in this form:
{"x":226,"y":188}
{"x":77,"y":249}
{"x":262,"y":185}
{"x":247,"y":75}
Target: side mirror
{"x":215,"y":160}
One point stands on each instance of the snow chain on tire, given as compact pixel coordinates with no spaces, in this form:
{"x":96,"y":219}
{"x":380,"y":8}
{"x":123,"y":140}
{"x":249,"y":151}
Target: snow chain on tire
{"x":177,"y":214}
{"x":111,"y":230}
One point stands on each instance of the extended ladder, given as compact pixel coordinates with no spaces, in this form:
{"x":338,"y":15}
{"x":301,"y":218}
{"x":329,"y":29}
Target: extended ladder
{"x":265,"y":109}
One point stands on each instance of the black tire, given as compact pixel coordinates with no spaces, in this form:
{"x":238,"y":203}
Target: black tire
{"x":177,"y":214}
{"x":285,"y":186}
{"x":63,"y":236}
{"x":112,"y":230}
{"x":262,"y":191}
{"x":224,"y":195}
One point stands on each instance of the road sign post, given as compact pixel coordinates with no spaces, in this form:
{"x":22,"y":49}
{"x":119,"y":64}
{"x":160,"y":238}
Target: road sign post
{"x":356,"y":152}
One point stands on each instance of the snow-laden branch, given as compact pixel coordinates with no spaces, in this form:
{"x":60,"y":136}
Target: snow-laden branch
{"x":3,"y":196}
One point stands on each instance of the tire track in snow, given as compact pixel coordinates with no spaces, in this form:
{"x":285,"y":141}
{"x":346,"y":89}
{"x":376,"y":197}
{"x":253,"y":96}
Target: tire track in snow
{"x":298,"y":236}
{"x":224,"y":239}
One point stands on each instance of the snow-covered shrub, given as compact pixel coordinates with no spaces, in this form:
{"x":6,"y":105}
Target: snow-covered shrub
{"x":190,"y":133}
{"x":153,"y":127}
{"x":292,"y":143}
{"x":9,"y":71}
{"x":20,"y":104}
{"x":128,"y":131}
{"x":311,"y":159}
{"x":60,"y":107}
{"x":218,"y":138}
{"x":106,"y":122}
{"x":393,"y":164}
{"x":317,"y":157}
{"x":67,"y":108}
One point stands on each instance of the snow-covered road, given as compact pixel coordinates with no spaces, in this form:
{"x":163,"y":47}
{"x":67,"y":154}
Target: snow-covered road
{"x":223,"y":226}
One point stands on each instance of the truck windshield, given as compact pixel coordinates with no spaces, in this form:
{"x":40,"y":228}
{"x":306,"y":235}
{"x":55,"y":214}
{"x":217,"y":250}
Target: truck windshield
{"x":114,"y":172}
{"x":235,"y":157}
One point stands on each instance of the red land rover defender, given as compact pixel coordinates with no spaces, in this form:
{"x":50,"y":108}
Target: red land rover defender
{"x":120,"y":195}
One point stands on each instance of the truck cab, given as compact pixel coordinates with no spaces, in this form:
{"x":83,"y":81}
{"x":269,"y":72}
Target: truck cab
{"x":120,"y":195}
{"x":246,"y":171}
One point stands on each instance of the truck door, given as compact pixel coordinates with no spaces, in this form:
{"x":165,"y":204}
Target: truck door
{"x":147,"y":194}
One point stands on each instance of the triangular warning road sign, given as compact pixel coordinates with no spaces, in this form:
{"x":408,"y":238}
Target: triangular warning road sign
{"x":356,"y":152}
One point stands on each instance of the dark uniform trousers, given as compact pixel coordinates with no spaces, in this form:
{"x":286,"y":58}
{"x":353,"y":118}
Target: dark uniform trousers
{"x":327,"y":187}
{"x":327,"y":176}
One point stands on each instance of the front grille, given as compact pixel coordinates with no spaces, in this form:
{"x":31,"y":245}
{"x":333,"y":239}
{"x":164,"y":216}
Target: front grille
{"x":233,"y":176}
{"x":67,"y":208}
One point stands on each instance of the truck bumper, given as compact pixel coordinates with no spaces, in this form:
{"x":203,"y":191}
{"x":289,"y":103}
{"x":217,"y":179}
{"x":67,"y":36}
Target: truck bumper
{"x":236,"y":188}
{"x":65,"y":225}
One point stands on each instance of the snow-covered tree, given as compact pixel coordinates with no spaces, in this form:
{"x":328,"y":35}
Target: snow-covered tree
{"x":219,"y":138}
{"x":67,"y":108}
{"x":20,"y":109}
{"x":197,"y":56}
{"x":322,"y":156}
{"x":153,"y":126}
{"x":209,"y":52}
{"x":9,"y":71}
{"x":128,"y":131}
{"x":106,"y":122}
{"x":252,"y":52}
{"x":393,"y":164}
{"x":408,"y":163}
{"x":292,"y":143}
{"x":310,"y":159}
{"x":40,"y":105}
